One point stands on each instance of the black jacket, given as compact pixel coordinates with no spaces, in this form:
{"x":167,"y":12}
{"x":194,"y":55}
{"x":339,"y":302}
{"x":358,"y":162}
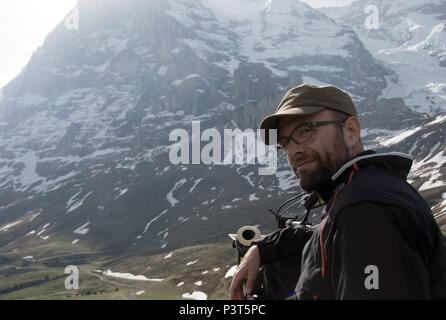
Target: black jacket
{"x":375,"y":225}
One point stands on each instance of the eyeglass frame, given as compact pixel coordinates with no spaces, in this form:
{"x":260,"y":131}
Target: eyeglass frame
{"x":312,"y":125}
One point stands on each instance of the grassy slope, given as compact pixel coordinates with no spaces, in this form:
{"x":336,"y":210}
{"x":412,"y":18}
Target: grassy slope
{"x":44,"y":279}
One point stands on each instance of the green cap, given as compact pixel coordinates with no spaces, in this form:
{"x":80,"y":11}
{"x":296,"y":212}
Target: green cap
{"x":308,"y":99}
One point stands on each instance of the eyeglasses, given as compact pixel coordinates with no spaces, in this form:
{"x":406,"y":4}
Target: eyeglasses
{"x":304,"y":132}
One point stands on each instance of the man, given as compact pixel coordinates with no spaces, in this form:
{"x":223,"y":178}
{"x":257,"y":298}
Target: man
{"x":377,"y":238}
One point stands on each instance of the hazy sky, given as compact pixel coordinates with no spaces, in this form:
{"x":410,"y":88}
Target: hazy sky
{"x":25,"y":23}
{"x":23,"y":27}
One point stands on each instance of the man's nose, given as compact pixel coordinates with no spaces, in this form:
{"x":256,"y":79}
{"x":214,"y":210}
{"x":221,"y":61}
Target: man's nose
{"x":294,"y":149}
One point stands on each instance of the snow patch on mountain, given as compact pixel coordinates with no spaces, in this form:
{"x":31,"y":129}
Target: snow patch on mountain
{"x":129,"y":276}
{"x":168,"y":255}
{"x":253,"y":197}
{"x":191,"y":262}
{"x":10,"y":225}
{"x":432,"y":171}
{"x":28,"y":175}
{"x":400,"y":137}
{"x":230,"y":272}
{"x":73,"y":204}
{"x":196,"y":182}
{"x":121,"y":192}
{"x":196,"y":295}
{"x":169,"y":195}
{"x":152,"y":221}
{"x":83,"y":230}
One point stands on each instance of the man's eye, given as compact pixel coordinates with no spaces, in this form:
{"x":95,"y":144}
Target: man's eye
{"x":304,"y":131}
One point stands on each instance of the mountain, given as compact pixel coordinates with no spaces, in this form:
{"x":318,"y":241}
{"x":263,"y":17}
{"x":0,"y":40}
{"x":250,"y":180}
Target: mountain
{"x":409,"y":37}
{"x":85,"y":126}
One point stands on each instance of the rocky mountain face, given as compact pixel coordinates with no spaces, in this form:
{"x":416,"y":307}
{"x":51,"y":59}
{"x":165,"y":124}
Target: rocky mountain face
{"x":409,"y":37}
{"x":85,"y":126}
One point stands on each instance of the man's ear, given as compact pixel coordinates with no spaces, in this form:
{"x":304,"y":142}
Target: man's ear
{"x":352,"y":131}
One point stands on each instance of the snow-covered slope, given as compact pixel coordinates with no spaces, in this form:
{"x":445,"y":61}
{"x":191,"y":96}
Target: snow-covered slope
{"x":410,"y":37}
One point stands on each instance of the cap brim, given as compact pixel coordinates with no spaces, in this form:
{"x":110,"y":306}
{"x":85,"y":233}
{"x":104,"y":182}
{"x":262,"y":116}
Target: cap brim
{"x":272,"y":121}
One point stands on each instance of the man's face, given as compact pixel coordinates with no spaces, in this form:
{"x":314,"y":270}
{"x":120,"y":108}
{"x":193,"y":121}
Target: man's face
{"x":316,"y":160}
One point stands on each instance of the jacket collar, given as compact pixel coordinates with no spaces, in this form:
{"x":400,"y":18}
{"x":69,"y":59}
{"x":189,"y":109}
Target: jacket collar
{"x":395,"y":163}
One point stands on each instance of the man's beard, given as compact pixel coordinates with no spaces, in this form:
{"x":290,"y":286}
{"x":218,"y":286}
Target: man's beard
{"x":317,"y":178}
